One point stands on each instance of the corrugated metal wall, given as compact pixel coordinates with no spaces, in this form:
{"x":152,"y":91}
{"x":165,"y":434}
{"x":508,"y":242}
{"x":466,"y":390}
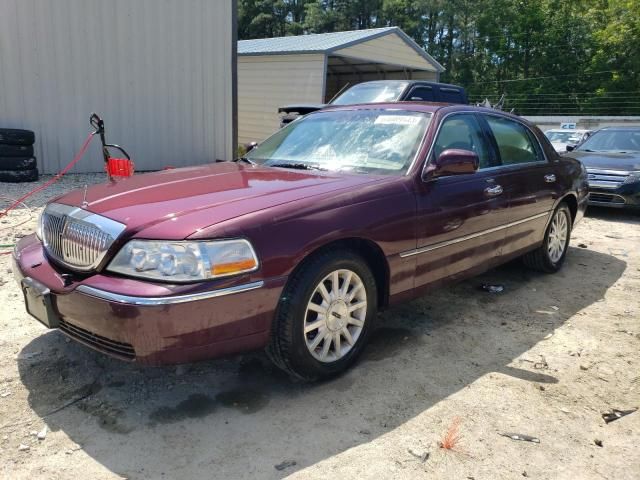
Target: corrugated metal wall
{"x":161,"y":73}
{"x":266,"y":82}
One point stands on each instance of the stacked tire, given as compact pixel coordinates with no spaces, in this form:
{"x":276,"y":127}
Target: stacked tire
{"x":17,"y":163}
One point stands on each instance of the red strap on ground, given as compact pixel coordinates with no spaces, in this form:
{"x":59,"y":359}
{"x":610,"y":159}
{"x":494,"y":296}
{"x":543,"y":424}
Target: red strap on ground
{"x":57,"y":177}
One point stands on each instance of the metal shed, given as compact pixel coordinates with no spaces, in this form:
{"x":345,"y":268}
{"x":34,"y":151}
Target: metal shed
{"x":274,"y":72}
{"x":162,"y":75}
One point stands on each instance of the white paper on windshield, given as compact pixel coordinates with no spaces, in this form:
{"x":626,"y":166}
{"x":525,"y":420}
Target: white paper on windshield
{"x":397,"y":120}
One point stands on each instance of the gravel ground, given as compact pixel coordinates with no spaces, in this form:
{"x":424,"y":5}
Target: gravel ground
{"x":545,"y":358}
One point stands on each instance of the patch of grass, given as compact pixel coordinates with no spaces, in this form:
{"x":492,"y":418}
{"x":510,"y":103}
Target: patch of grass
{"x":452,"y":437}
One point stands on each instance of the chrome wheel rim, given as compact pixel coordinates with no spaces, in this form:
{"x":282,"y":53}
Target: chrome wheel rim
{"x":558,"y":234}
{"x":335,"y":316}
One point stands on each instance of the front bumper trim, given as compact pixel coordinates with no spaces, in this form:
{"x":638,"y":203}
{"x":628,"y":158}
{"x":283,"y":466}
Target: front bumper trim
{"x":170,"y":300}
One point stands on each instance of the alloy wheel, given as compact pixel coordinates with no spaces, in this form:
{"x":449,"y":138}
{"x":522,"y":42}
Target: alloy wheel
{"x":335,"y":315}
{"x":558,"y":236}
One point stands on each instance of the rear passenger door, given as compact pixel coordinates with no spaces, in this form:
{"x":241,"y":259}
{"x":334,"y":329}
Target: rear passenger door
{"x":529,"y":181}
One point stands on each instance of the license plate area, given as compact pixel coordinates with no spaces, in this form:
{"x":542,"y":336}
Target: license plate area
{"x":38,"y":301}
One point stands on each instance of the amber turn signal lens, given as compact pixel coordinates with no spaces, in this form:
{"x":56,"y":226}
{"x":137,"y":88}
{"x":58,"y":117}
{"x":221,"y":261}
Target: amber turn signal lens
{"x":232,"y":267}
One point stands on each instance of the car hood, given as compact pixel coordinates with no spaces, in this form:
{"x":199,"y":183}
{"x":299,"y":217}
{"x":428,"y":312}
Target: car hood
{"x":174,"y":204}
{"x":608,"y":160}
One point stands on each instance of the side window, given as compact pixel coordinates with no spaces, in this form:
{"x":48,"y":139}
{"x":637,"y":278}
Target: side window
{"x":421,"y":94}
{"x":462,"y":131}
{"x":514,"y":142}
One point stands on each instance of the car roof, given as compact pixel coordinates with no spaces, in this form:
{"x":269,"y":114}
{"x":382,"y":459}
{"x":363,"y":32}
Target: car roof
{"x":408,"y":82}
{"x":427,"y":107}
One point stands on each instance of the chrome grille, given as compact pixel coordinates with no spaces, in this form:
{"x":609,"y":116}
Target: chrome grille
{"x":611,"y":179}
{"x":597,"y":197}
{"x":77,"y":238}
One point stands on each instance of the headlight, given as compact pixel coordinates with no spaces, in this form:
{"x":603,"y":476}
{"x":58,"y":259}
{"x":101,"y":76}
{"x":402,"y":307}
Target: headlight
{"x":39,"y":225}
{"x":184,"y":261}
{"x":633,"y":177}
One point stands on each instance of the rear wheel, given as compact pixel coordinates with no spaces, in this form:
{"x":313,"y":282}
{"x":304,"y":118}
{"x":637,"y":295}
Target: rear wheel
{"x":324,"y":317}
{"x":550,"y":256}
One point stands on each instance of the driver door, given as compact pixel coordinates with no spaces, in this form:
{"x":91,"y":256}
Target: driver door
{"x":460,"y":218}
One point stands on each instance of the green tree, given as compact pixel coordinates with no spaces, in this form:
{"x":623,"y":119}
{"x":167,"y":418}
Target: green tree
{"x":546,"y":56}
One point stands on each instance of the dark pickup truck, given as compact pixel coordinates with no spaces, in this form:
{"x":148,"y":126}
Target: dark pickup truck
{"x":381,"y":91}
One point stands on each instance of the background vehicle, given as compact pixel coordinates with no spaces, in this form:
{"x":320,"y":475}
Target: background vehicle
{"x":612,"y":158}
{"x":561,"y":137}
{"x":380,"y":91}
{"x":297,"y":245}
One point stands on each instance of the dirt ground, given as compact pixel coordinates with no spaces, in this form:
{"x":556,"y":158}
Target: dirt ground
{"x":545,"y":358}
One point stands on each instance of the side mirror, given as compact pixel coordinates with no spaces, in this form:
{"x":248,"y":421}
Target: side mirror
{"x":454,"y":161}
{"x":571,"y":148}
{"x":250,"y":146}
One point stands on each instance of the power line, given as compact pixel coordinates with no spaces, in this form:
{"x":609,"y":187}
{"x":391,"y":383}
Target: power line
{"x":504,"y":35}
{"x":543,"y":78}
{"x":526,"y":98}
{"x":580,"y":102}
{"x":576,"y":108}
{"x":520,"y":49}
{"x":575,"y":105}
{"x":562,"y":94}
{"x":591,"y":111}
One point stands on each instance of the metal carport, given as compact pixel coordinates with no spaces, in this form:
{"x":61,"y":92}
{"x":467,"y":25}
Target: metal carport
{"x":274,"y":72}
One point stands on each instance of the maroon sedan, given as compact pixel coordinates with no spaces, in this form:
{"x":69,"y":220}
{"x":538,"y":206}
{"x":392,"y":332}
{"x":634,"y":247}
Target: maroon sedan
{"x":294,"y":247}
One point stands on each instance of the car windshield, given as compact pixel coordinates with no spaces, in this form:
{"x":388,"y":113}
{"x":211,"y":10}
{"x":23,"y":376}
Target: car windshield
{"x":359,"y":141}
{"x":371,"y":93}
{"x":563,"y":137}
{"x":613,"y":141}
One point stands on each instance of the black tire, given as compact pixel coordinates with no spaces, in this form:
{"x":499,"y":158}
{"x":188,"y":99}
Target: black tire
{"x":16,"y":150}
{"x":287,"y":348}
{"x":17,"y":163}
{"x":14,"y":136}
{"x":540,"y":259}
{"x":18,"y":176}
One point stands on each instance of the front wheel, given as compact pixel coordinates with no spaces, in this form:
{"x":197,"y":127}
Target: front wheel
{"x":550,"y":256}
{"x":324,"y":316}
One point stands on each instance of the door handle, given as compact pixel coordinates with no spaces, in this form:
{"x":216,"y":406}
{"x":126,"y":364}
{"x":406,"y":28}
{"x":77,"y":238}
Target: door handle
{"x":550,"y":178}
{"x":493,"y":191}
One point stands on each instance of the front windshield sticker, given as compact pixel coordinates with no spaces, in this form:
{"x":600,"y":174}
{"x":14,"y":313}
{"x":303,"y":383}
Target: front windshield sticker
{"x":397,"y":120}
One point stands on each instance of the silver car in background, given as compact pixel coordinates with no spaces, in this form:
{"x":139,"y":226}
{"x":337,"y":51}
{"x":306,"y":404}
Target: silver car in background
{"x":561,"y":137}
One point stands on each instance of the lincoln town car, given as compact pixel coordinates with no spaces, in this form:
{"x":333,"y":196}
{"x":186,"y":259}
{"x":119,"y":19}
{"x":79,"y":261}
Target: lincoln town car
{"x":294,"y":247}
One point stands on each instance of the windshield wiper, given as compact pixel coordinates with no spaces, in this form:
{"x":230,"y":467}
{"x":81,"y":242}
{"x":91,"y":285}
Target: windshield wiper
{"x":244,"y":159}
{"x":297,"y":166}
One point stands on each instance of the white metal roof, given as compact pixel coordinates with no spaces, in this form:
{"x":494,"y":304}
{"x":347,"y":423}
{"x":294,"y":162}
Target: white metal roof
{"x":325,"y":43}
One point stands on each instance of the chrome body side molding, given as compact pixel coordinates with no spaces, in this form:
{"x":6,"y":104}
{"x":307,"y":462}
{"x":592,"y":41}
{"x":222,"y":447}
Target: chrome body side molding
{"x":446,"y":243}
